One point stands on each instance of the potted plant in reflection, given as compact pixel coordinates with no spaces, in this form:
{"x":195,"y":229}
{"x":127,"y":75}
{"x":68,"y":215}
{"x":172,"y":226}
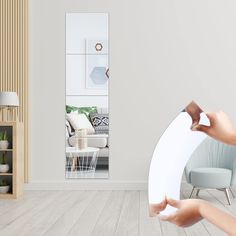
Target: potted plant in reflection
{"x":4,"y":140}
{"x":4,"y":167}
{"x":4,"y":186}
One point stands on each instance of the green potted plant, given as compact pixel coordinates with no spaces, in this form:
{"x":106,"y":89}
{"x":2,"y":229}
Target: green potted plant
{"x":4,"y":140}
{"x":4,"y":186}
{"x":4,"y":167}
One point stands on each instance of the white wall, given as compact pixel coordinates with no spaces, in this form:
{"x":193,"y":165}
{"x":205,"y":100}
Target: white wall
{"x":163,"y":54}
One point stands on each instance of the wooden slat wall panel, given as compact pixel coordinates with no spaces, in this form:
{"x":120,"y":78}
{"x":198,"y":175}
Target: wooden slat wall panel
{"x":14,"y":60}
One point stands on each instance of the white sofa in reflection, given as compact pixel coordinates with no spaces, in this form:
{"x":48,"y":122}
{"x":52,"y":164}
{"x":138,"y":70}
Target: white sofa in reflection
{"x":100,"y":141}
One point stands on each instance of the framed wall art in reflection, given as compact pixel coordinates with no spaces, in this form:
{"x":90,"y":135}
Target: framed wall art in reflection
{"x":97,"y":46}
{"x":97,"y":67}
{"x":97,"y":72}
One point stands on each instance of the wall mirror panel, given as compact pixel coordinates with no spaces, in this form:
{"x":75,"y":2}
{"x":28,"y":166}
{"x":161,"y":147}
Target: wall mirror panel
{"x":186,"y":155}
{"x":172,"y":153}
{"x":87,"y":91}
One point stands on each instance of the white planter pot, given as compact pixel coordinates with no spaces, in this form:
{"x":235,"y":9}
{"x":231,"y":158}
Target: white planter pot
{"x":4,"y":189}
{"x":4,"y":144}
{"x":4,"y":168}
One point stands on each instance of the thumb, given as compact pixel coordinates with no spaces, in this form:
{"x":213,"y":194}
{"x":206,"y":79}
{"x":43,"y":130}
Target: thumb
{"x":173,"y":203}
{"x":202,"y":128}
{"x":164,"y":217}
{"x":169,"y":218}
{"x":211,"y":115}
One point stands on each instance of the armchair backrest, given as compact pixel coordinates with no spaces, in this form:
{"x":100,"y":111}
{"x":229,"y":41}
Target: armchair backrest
{"x":212,"y":153}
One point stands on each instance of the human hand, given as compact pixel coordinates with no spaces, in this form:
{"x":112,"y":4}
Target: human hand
{"x":155,"y":209}
{"x":194,"y":111}
{"x":220,"y":127}
{"x":188,"y":212}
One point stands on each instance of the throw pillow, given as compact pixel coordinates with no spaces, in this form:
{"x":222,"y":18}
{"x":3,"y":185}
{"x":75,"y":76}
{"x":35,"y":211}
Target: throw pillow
{"x":100,"y":123}
{"x":80,"y":121}
{"x":84,"y":110}
{"x":69,"y":128}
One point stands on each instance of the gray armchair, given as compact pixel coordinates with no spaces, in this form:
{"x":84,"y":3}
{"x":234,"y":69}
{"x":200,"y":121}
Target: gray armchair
{"x":212,"y":166}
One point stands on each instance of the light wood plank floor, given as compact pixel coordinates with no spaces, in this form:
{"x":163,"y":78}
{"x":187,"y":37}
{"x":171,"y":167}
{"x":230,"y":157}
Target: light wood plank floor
{"x":97,"y":213}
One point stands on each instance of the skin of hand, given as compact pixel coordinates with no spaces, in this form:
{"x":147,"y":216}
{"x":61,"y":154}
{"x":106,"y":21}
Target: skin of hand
{"x":221,"y":128}
{"x":155,"y":209}
{"x":188,"y":212}
{"x":191,"y":211}
{"x":194,"y":111}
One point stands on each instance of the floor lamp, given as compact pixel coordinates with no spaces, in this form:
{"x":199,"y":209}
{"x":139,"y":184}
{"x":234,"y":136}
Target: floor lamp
{"x":8,"y":101}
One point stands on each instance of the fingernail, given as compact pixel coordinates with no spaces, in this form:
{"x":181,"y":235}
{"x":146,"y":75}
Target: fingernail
{"x":194,"y":128}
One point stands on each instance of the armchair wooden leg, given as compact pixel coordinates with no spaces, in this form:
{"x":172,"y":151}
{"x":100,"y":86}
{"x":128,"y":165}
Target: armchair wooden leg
{"x":231,"y":190}
{"x":192,"y":192}
{"x":227,"y":195}
{"x":198,"y":190}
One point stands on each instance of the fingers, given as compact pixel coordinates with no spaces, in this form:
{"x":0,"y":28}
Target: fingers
{"x":152,"y":214}
{"x":202,"y":128}
{"x":211,"y":115}
{"x":194,"y":111}
{"x":164,"y":217}
{"x":194,"y":124}
{"x":155,"y":209}
{"x":167,"y":217}
{"x":173,"y":203}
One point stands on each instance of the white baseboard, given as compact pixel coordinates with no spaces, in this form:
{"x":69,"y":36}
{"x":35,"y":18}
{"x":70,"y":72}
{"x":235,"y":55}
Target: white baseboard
{"x":88,"y":185}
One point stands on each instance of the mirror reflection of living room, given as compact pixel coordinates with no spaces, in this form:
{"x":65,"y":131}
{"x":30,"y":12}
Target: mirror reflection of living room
{"x":87,"y":78}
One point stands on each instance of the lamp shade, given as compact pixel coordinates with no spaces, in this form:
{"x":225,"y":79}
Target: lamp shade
{"x":9,"y":99}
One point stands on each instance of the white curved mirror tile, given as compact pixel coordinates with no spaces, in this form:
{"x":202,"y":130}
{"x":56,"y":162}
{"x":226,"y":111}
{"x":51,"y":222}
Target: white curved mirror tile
{"x":172,"y":153}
